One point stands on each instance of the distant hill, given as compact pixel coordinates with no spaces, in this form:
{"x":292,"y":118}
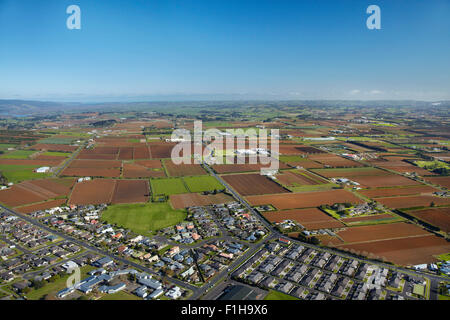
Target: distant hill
{"x":30,"y":107}
{"x":25,"y":107}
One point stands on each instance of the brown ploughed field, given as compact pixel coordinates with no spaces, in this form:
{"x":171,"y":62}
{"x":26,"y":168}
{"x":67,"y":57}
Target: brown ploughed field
{"x":304,"y":199}
{"x":41,"y":206}
{"x":131,"y":191}
{"x":413,"y":201}
{"x":133,"y":170}
{"x":380,"y":232}
{"x":311,"y":218}
{"x":391,"y":192}
{"x":93,"y":192}
{"x":252,"y":184}
{"x":439,"y":217}
{"x":404,"y":251}
{"x":182,"y":170}
{"x":92,"y":172}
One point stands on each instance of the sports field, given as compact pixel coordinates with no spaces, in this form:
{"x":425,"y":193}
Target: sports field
{"x":203,"y":183}
{"x":143,"y":218}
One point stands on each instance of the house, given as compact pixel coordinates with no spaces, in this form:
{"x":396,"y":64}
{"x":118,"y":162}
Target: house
{"x":255,"y":277}
{"x":151,"y":283}
{"x":113,"y":289}
{"x":19,"y":286}
{"x":103,"y":262}
{"x":7,"y":276}
{"x":188,"y":272}
{"x":141,"y":292}
{"x":174,"y":293}
{"x":155,"y":294}
{"x":65,"y":292}
{"x":284,"y":240}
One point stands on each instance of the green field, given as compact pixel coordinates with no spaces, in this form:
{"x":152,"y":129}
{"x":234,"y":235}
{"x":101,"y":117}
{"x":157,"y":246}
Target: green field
{"x":16,"y":173}
{"x":54,"y":140}
{"x":143,"y":218}
{"x":291,"y":158}
{"x":431,"y":165}
{"x":168,"y":186}
{"x":121,"y":295}
{"x":18,"y":154}
{"x":58,"y":154}
{"x":203,"y":183}
{"x":5,"y":146}
{"x":275,"y":295}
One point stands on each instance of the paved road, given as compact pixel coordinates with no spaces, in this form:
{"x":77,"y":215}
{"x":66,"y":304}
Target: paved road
{"x":68,"y":161}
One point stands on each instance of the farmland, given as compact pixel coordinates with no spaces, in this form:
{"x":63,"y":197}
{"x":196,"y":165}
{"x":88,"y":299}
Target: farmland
{"x":304,"y":200}
{"x":402,"y":251}
{"x":311,"y":218}
{"x":29,"y":192}
{"x":18,"y":154}
{"x":253,"y":184}
{"x":413,"y":201}
{"x":439,"y":217}
{"x":18,"y":173}
{"x":107,"y":191}
{"x":168,"y":186}
{"x":181,"y":170}
{"x":202,"y":183}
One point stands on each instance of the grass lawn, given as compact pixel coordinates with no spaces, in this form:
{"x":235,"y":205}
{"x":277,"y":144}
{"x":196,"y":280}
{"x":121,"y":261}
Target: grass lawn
{"x":275,"y":295}
{"x":203,"y":183}
{"x":168,"y":186}
{"x":17,"y":173}
{"x":121,"y":295}
{"x":17,"y":154}
{"x":54,"y":287}
{"x":143,"y":218}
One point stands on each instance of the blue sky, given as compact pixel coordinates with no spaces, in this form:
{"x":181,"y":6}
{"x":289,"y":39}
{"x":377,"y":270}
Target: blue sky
{"x":219,"y":49}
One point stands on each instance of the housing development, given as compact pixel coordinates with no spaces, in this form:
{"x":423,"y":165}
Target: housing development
{"x":96,"y":206}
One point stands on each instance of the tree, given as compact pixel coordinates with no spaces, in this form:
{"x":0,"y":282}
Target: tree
{"x":37,"y":284}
